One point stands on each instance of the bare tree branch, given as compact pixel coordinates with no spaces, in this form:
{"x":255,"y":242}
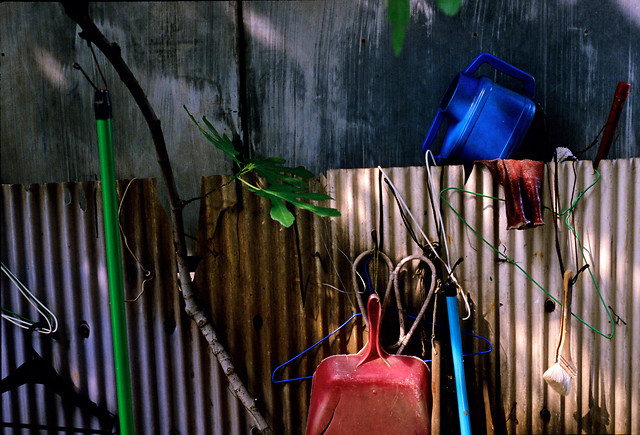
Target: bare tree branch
{"x":79,"y":13}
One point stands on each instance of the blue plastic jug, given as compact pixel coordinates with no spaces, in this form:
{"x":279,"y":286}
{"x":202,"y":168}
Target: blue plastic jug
{"x":486,"y":121}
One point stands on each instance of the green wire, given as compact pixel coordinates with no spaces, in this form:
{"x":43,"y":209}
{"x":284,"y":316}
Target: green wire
{"x":568,"y":212}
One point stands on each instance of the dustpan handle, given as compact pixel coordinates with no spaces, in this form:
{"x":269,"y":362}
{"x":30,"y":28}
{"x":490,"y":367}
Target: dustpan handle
{"x":373,"y":350}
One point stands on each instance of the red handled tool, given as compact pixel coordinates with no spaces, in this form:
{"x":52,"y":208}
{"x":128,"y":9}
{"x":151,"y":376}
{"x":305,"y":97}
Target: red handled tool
{"x":371,"y":391}
{"x":622,"y":91}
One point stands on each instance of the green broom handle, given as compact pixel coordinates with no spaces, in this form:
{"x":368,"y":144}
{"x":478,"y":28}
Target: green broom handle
{"x":114,"y":262}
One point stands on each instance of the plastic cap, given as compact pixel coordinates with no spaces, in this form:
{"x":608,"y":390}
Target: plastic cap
{"x":102,"y":104}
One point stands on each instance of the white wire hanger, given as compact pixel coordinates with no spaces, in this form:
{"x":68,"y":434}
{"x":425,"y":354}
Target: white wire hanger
{"x":24,"y":322}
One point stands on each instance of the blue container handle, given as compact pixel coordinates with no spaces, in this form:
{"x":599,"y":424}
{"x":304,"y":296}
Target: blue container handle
{"x":528,"y":80}
{"x":431,"y":135}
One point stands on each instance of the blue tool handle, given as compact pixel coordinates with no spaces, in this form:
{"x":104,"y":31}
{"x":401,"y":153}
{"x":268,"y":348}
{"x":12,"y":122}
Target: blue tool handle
{"x":527,"y":79}
{"x":431,"y":135}
{"x":458,"y":366}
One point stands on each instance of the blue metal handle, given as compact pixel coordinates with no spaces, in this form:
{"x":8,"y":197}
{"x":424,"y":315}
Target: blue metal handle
{"x":527,"y":79}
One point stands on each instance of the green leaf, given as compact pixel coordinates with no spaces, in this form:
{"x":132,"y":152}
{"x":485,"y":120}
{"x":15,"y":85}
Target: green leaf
{"x":284,"y":184}
{"x":320,"y":211}
{"x":301,"y":172}
{"x":299,"y":194}
{"x":223,"y":143}
{"x":449,"y":7}
{"x":294,"y":182}
{"x":280,"y":192}
{"x":292,"y":197}
{"x":399,"y":15}
{"x":274,"y":176}
{"x":315,"y":196}
{"x":280,"y":213}
{"x":206,"y":134}
{"x":267,"y":161}
{"x":275,"y":164}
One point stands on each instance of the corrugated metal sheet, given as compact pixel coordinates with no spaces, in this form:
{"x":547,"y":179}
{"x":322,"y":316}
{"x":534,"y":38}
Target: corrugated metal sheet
{"x":280,"y":295}
{"x":508,"y":309}
{"x":52,"y":239}
{"x":265,"y":286}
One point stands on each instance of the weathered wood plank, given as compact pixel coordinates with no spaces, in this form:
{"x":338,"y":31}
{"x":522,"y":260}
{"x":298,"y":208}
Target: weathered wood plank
{"x":323,"y":87}
{"x":326,"y":91}
{"x":180,"y":52}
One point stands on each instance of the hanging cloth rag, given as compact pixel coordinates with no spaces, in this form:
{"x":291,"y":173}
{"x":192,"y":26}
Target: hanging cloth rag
{"x":522,"y":181}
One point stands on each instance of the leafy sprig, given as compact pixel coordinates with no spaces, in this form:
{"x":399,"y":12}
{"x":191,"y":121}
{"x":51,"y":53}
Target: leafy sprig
{"x":399,"y":15}
{"x":284,"y":184}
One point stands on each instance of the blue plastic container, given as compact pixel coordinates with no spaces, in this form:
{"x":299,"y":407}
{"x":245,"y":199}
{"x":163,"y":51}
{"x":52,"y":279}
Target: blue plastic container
{"x":486,"y":120}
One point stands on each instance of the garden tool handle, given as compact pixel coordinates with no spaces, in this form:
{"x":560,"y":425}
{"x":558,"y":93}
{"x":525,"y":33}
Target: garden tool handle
{"x":102,"y":107}
{"x":102,"y":104}
{"x":458,"y":364}
{"x":620,"y":96}
{"x":499,"y":64}
{"x":564,"y":347}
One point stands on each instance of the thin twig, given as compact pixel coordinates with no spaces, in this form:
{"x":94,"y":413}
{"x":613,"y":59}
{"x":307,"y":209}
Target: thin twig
{"x":184,"y":203}
{"x":95,"y":60}
{"x":572,"y":214}
{"x":202,"y":245}
{"x":77,"y":66}
{"x":555,"y":209}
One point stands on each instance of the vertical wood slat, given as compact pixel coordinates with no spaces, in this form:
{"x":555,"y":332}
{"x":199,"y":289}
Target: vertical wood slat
{"x":323,"y":87}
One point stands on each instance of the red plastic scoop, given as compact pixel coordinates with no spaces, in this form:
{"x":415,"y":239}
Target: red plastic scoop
{"x":370,"y":391}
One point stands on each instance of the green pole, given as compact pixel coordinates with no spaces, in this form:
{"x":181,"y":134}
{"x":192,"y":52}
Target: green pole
{"x":114,"y":262}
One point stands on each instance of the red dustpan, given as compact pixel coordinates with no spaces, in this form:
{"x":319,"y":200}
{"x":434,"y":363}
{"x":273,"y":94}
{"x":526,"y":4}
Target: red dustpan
{"x":371,"y":391}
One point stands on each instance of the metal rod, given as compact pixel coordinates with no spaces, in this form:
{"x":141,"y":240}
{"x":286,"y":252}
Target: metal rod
{"x":114,"y":262}
{"x":436,"y":372}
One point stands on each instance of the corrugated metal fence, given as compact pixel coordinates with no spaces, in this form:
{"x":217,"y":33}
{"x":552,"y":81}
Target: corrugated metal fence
{"x":53,"y":241}
{"x":268,"y":292}
{"x":508,"y":308}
